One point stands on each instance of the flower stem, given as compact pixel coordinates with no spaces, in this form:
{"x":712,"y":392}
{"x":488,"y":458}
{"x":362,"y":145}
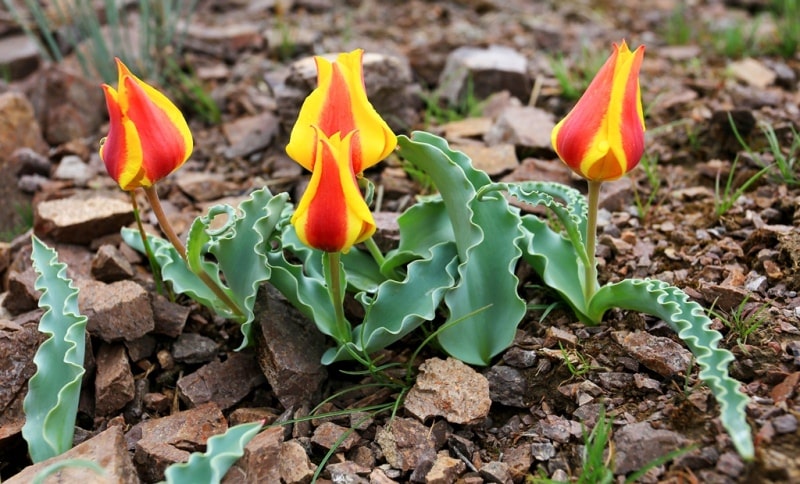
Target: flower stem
{"x":335,"y":290}
{"x":146,"y":243}
{"x":590,"y":279}
{"x":166,"y":227}
{"x":377,"y":255}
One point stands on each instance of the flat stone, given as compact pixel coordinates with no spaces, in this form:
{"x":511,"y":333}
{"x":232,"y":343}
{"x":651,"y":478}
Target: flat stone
{"x":19,"y":55}
{"x":328,"y":433}
{"x":524,"y":127}
{"x":468,"y":128}
{"x":109,"y":265}
{"x":247,"y":135}
{"x":203,"y":186}
{"x":171,"y":439}
{"x":558,"y":428}
{"x":289,"y":349}
{"x":114,"y":380}
{"x":445,"y":470}
{"x":194,"y":348}
{"x":79,"y":221}
{"x":224,"y":383}
{"x":347,"y":471}
{"x":260,"y":461}
{"x":494,"y":160}
{"x":234,"y":37}
{"x":496,"y":471}
{"x":639,"y":443}
{"x":72,"y":168}
{"x":107,"y":448}
{"x":169,"y":317}
{"x":484,"y":71}
{"x":117,"y":311}
{"x":661,"y":355}
{"x":450,"y":389}
{"x":405,"y":443}
{"x":294,"y":465}
{"x":543,"y":451}
{"x":294,"y":40}
{"x":752,"y":72}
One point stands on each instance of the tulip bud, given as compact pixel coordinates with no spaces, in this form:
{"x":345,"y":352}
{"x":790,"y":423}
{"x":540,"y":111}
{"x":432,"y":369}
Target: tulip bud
{"x":602,"y":138}
{"x":148,"y":137}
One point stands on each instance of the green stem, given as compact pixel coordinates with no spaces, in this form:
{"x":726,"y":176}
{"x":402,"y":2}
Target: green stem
{"x":336,"y":291}
{"x":146,"y":242}
{"x":166,"y":227}
{"x":590,"y":279}
{"x":377,"y":255}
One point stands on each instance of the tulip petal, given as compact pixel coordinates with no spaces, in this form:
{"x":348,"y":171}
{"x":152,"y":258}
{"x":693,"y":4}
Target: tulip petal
{"x":332,"y":215}
{"x":339,"y":104}
{"x":148,"y":136}
{"x":602,"y":138}
{"x":122,"y":150}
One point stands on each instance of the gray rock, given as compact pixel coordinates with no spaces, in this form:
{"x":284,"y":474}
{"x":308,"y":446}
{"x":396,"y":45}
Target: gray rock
{"x":558,"y":428}
{"x":250,"y":134}
{"x":523,"y":126}
{"x":109,"y":265}
{"x":543,"y":451}
{"x":289,"y":349}
{"x":639,"y":443}
{"x":114,"y":380}
{"x":662,"y":355}
{"x":31,"y":162}
{"x":520,"y":357}
{"x":224,"y":383}
{"x":79,"y":221}
{"x":107,"y":448}
{"x":496,"y":472}
{"x":19,"y":55}
{"x":194,"y":348}
{"x":171,"y":439}
{"x":72,"y":168}
{"x":485,"y":71}
{"x":785,"y":424}
{"x":202,"y":186}
{"x":450,"y":389}
{"x":509,"y":386}
{"x":117,"y":311}
{"x":405,"y":443}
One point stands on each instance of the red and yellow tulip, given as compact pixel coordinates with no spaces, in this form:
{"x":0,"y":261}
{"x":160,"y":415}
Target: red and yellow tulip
{"x":602,"y":138}
{"x":338,"y":134}
{"x":148,"y":137}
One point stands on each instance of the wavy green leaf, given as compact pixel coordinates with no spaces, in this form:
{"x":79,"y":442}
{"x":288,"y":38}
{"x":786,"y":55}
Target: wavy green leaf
{"x":236,"y":266}
{"x":399,"y":307}
{"x":51,"y":403}
{"x":222,"y":451}
{"x":690,"y":322}
{"x":486,"y":235}
{"x":424,"y":225}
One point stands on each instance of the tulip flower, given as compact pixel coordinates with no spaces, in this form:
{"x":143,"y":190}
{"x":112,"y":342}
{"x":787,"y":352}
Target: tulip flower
{"x":602,"y":138}
{"x":148,"y":137}
{"x":338,"y":134}
{"x":332,"y":215}
{"x":339,"y":104}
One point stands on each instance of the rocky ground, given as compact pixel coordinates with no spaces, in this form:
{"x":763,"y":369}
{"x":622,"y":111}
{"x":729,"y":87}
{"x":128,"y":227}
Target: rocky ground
{"x":162,"y":376}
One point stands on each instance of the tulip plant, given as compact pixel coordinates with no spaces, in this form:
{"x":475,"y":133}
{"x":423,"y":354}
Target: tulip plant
{"x":458,"y":250}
